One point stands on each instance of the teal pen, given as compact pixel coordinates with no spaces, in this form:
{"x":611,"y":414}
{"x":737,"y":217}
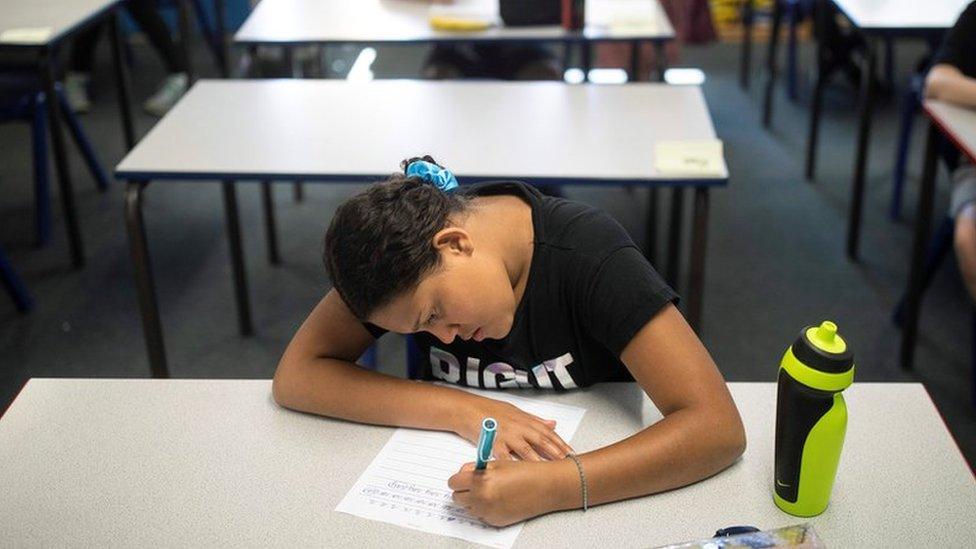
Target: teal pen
{"x":485,"y":441}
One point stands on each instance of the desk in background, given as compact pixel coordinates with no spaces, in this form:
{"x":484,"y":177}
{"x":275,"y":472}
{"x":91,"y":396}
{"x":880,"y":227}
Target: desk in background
{"x":308,"y":22}
{"x":343,"y":132}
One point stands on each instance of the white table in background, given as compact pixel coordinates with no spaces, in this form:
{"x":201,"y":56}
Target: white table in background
{"x":337,"y":131}
{"x":317,"y":22}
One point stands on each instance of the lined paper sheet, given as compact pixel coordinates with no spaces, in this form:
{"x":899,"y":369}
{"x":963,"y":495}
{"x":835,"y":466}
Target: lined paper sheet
{"x":406,"y":484}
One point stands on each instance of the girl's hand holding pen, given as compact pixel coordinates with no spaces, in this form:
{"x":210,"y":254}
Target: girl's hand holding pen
{"x":511,"y":491}
{"x":522,"y":435}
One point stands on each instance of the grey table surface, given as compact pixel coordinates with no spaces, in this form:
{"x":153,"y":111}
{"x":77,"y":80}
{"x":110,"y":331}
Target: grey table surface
{"x":881,"y":15}
{"x":959,"y":123}
{"x":215,"y":463}
{"x":60,"y":16}
{"x":337,"y":130}
{"x":384,"y":21}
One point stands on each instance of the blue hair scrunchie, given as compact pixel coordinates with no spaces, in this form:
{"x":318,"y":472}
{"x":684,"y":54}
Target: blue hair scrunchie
{"x":441,"y":178}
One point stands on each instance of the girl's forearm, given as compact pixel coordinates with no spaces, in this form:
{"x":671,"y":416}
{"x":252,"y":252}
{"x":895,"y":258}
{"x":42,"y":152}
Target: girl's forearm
{"x":683,"y":448}
{"x":340,"y":389}
{"x":947,"y":83}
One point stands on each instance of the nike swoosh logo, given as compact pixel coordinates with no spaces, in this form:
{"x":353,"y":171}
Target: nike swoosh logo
{"x":778,"y":483}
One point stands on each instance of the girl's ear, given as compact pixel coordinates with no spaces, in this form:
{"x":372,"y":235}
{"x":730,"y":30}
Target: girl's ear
{"x":453,"y":240}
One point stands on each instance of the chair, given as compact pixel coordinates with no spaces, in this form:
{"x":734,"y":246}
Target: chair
{"x":213,"y":35}
{"x":22,"y":98}
{"x":936,"y":252}
{"x":414,"y":358}
{"x":13,"y":285}
{"x":836,"y":49}
{"x":934,"y":256}
{"x":795,"y":11}
{"x":910,"y":105}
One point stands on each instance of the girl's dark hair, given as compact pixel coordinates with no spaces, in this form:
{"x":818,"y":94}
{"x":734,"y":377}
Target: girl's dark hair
{"x":379,"y":243}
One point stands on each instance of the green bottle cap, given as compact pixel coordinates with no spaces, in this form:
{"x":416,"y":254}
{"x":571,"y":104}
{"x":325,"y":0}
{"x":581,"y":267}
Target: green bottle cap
{"x":820,"y":358}
{"x":826,"y":338}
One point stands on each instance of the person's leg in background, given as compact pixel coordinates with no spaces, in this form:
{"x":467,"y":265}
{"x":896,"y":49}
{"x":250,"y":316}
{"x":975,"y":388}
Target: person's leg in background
{"x":146,"y":15}
{"x":530,"y":62}
{"x":517,"y":62}
{"x":77,"y":80}
{"x":448,"y":62}
{"x":964,"y":212}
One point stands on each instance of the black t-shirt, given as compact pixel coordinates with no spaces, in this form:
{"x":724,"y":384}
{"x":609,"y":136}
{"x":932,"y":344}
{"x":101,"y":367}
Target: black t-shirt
{"x":589,"y":292}
{"x":959,"y":47}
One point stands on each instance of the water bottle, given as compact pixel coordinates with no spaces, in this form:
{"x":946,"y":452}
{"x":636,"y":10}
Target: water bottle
{"x":811,"y":419}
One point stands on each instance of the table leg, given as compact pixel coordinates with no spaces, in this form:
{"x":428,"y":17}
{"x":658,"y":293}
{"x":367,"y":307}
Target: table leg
{"x":223,"y":55}
{"x":794,"y":18}
{"x":661,"y":64}
{"x":237,"y":258}
{"x":660,"y":60}
{"x":821,"y":12}
{"x":145,"y":287}
{"x":861,"y":158}
{"x":48,"y":70}
{"x":183,"y":9}
{"x":674,"y":236}
{"x":745,"y":62}
{"x":634,"y":60}
{"x":586,"y":59}
{"x":122,"y":81}
{"x":923,"y":219}
{"x":295,"y":72}
{"x":271,"y":232}
{"x":567,"y":55}
{"x":771,"y":68}
{"x":696,"y":271}
{"x":650,"y":249}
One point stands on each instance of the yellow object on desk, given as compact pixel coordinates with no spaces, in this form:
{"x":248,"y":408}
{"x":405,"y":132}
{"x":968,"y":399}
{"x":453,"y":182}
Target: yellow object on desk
{"x":457,"y":23}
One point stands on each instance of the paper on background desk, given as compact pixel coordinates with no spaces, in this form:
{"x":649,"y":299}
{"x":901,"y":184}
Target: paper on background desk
{"x":406,"y":484}
{"x":689,"y":158}
{"x":25,"y":35}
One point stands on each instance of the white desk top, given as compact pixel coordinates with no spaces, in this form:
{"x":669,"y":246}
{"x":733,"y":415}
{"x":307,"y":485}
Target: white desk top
{"x":895,"y":15}
{"x":958,"y":123}
{"x":47,"y":20}
{"x":343,"y":131}
{"x":147,"y":463}
{"x":351,"y":21}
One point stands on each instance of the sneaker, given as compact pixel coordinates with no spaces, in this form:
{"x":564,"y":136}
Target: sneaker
{"x":76,"y":91}
{"x":168,"y":94}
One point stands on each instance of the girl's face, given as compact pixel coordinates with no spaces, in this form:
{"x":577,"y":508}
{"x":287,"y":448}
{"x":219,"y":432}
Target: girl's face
{"x":469,"y":295}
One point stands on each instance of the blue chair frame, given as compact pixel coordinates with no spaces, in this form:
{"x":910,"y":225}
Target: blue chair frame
{"x":27,"y":103}
{"x":911,"y":102}
{"x":14,"y":286}
{"x":414,"y":358}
